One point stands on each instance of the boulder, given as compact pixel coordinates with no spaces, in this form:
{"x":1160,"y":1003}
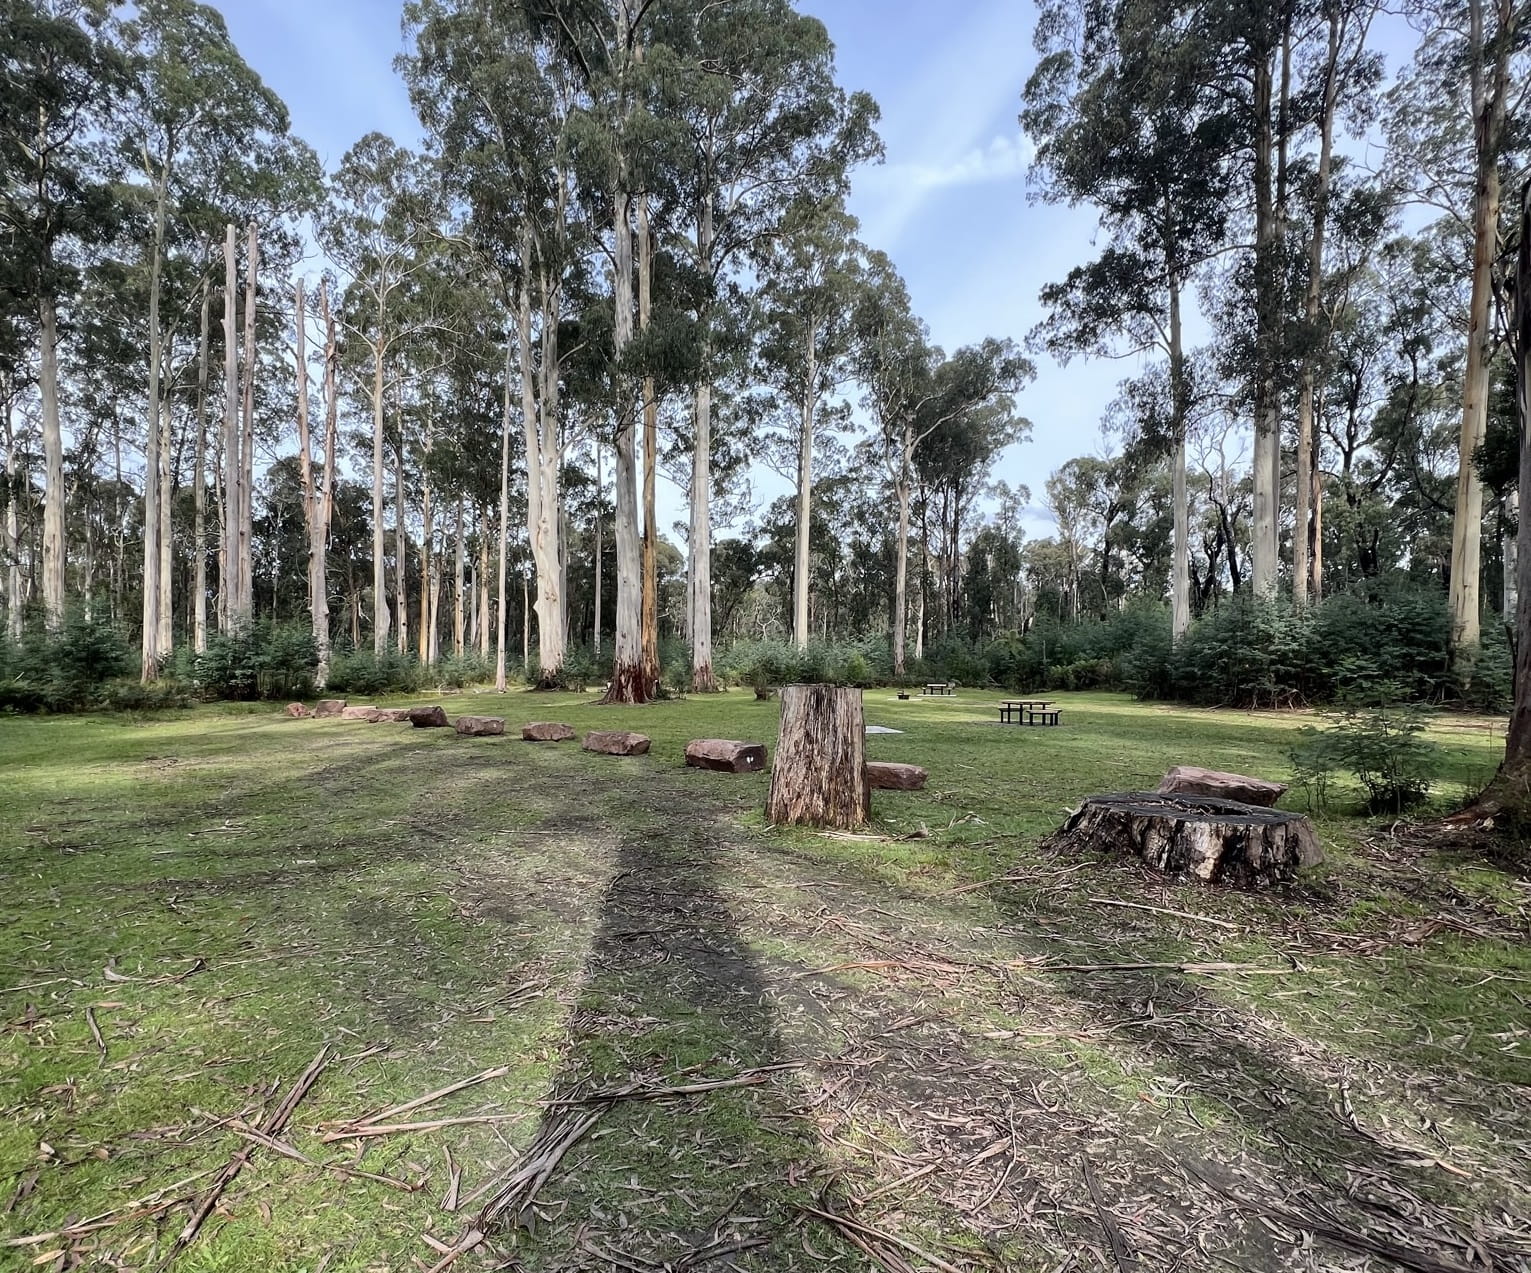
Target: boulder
{"x":1195,"y":837}
{"x":885,"y":775}
{"x":297,"y":711}
{"x":726,"y":755}
{"x":428,"y":717}
{"x":616,"y":742}
{"x":547,"y":731}
{"x":392,"y":715}
{"x":1188,"y":780}
{"x":358,"y":713}
{"x":480,"y":726}
{"x":329,"y":707}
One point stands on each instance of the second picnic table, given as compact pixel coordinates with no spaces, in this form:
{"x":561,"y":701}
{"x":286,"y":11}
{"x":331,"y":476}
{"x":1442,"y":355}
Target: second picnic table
{"x":1027,"y":711}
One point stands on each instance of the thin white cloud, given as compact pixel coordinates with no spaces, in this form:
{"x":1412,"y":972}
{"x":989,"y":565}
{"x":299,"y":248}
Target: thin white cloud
{"x":1005,"y":158}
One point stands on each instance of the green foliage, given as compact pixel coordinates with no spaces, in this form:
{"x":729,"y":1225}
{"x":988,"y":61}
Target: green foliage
{"x":362,"y":672}
{"x":1376,"y":739}
{"x":134,"y":698}
{"x":767,"y":663}
{"x":458,"y":671}
{"x":262,"y":661}
{"x":66,"y":670}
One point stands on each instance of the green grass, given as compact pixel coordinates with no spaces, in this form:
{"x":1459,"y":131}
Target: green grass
{"x":226,"y":891}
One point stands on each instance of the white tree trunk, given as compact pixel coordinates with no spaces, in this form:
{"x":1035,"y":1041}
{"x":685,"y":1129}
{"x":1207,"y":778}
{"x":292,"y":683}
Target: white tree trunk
{"x":457,"y":585}
{"x":199,"y":486}
{"x":901,"y":492}
{"x":10,"y":545}
{"x":400,"y":547}
{"x":599,"y":492}
{"x":543,"y":498}
{"x":699,"y":545}
{"x":801,"y":556}
{"x":228,"y":495}
{"x":1180,"y":565}
{"x":650,"y":555}
{"x":628,"y":683}
{"x":153,"y":442}
{"x":500,"y":683}
{"x":326,"y":491}
{"x":243,"y":566}
{"x":53,"y":464}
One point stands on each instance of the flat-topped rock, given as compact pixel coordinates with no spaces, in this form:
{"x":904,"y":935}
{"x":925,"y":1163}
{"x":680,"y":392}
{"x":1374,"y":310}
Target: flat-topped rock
{"x":1191,"y":780}
{"x":887,"y":775}
{"x":297,"y":711}
{"x":616,"y":742}
{"x":480,"y":726}
{"x":358,"y":713}
{"x":329,"y":707}
{"x":547,"y":731}
{"x":726,"y":755}
{"x":392,"y":715}
{"x":428,"y":717}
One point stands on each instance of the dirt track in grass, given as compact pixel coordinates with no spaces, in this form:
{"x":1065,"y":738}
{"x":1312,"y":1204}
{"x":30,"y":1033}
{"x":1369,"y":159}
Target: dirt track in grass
{"x":913,"y":1068}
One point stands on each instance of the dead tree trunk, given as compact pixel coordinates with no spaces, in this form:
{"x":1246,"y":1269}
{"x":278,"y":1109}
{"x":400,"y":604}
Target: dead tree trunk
{"x":819,"y":778}
{"x":1195,"y":837}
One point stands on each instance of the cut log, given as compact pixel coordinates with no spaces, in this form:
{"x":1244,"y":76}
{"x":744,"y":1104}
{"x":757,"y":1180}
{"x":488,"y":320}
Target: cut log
{"x":886,"y":775}
{"x":329,"y":707}
{"x":392,"y":715}
{"x":480,"y":726}
{"x":428,"y":717}
{"x":725,"y":755}
{"x":819,"y":777}
{"x":358,"y":713}
{"x":547,"y":731}
{"x":616,"y":742}
{"x":1195,"y":837}
{"x":297,"y":711}
{"x":1189,"y":780}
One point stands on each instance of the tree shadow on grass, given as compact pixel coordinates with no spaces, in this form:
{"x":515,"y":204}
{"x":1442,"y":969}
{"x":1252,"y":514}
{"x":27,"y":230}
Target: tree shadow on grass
{"x":671,"y":995}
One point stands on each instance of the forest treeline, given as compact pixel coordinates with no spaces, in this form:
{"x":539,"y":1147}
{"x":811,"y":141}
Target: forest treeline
{"x":419,"y":404}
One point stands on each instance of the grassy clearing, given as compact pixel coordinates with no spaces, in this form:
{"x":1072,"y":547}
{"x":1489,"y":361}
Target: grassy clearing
{"x":216,"y":895}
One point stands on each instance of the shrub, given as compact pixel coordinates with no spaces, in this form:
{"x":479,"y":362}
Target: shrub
{"x":362,"y":672}
{"x":1379,"y":743}
{"x":133,"y":697}
{"x":63,"y":670}
{"x":262,"y":660}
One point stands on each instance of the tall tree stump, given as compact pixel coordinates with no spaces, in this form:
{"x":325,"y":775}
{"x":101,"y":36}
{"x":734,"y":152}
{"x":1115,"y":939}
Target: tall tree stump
{"x":1195,"y":837}
{"x":819,"y":778}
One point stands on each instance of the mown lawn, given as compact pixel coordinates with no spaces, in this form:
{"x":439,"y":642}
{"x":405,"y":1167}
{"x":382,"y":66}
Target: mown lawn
{"x":928,"y":1056}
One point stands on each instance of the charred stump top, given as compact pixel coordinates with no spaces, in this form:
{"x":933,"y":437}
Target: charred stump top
{"x":1195,"y":837}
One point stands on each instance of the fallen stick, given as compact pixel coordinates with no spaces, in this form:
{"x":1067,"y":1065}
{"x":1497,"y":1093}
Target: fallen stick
{"x":454,"y":1182}
{"x":1164,"y":910}
{"x":394,"y":1111}
{"x":272,"y":1125}
{"x":911,"y":965}
{"x":149,"y":1203}
{"x":389,"y":1129}
{"x":95,"y":1031}
{"x":850,"y":1226}
{"x":297,"y":1155}
{"x":1252,"y":969}
{"x":640,"y":1092}
{"x":1121,"y":1253}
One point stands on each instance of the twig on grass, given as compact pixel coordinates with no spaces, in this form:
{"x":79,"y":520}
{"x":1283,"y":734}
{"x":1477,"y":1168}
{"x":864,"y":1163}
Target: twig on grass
{"x":1121,"y":1253}
{"x":644,"y":1092}
{"x":95,"y":1031}
{"x":272,"y":1126}
{"x":1249,"y":969}
{"x":1165,"y":910}
{"x":393,"y":1111}
{"x":390,"y":1129}
{"x":866,"y":1239}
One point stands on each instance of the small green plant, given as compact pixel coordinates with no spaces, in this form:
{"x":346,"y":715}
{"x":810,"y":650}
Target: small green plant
{"x":1375,"y":739}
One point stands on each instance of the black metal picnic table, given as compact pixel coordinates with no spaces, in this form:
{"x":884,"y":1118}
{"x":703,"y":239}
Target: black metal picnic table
{"x":1028,"y":711}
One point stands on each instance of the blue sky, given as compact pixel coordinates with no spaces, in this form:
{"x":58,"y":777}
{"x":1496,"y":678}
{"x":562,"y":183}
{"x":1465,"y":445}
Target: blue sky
{"x":949,"y":204}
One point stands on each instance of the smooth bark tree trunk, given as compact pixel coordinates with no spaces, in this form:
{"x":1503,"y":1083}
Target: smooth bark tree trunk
{"x":901,"y":495}
{"x":801,"y":548}
{"x":599,"y":493}
{"x":326,"y":489}
{"x":199,"y":485}
{"x":650,"y":560}
{"x":1264,"y":538}
{"x":482,"y":582}
{"x":699,"y":545}
{"x":457,"y":584}
{"x":243,"y":571}
{"x":166,"y":573}
{"x":150,"y":651}
{"x":426,"y":641}
{"x":544,"y":456}
{"x":1180,"y":563}
{"x":400,"y":547}
{"x":629,"y":683}
{"x":1489,"y":89}
{"x":53,"y":463}
{"x":228,"y":493}
{"x":313,"y":510}
{"x":11,"y":544}
{"x":819,"y":775}
{"x":500,"y":683}
{"x":379,"y":546}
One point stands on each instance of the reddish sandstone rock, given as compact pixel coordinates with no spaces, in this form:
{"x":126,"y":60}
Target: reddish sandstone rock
{"x":616,"y":742}
{"x":547,"y":731}
{"x":358,"y":713}
{"x":330,"y":707}
{"x":1188,"y":780}
{"x":888,"y":776}
{"x":428,"y":717}
{"x":392,"y":715}
{"x":480,"y":726}
{"x":297,"y":711}
{"x":726,"y":755}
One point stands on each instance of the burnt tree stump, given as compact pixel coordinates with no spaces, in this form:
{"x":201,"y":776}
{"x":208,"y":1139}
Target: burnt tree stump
{"x":819,"y":778}
{"x":1195,"y":837}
